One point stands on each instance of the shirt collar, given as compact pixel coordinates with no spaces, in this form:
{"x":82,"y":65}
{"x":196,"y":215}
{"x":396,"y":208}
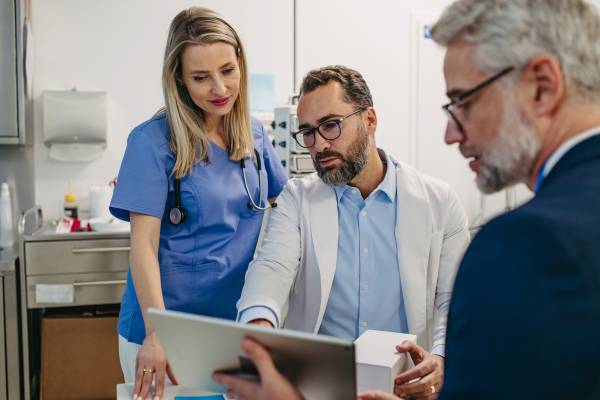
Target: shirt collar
{"x":388,"y":185}
{"x":565,"y":147}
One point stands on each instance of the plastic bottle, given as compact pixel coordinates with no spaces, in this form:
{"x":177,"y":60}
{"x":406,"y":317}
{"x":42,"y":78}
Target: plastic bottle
{"x":6,"y":226}
{"x":71,"y":204}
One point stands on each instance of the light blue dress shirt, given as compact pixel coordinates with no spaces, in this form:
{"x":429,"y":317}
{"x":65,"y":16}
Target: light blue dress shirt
{"x":367,"y":291}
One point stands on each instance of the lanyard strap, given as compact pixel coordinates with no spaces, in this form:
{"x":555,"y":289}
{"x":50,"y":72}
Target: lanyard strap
{"x":540,"y":178}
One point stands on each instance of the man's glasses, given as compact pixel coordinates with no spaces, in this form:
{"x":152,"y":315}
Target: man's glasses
{"x":329,"y":130}
{"x":451,"y":108}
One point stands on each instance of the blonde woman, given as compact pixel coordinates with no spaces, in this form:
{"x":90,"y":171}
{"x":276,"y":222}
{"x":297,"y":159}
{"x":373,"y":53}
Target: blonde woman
{"x":189,"y":183}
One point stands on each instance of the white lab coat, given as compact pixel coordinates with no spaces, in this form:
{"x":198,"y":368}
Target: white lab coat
{"x":299,"y":253}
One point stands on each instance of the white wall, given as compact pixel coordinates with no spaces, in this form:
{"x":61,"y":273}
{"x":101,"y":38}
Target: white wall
{"x":117,"y":46}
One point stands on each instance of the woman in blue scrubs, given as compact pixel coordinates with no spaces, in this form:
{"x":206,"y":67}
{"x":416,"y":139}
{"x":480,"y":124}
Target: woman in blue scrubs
{"x":198,"y":142}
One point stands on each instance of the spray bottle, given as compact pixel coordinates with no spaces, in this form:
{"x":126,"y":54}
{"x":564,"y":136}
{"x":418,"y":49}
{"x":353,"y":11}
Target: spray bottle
{"x":6,"y":225}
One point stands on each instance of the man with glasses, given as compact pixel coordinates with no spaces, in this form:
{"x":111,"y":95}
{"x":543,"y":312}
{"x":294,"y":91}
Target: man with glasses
{"x":367,"y":242}
{"x":525,"y":315}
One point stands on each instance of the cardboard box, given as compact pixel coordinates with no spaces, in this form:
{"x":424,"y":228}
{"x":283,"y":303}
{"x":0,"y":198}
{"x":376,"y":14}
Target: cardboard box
{"x":377,"y":361}
{"x":80,"y":355}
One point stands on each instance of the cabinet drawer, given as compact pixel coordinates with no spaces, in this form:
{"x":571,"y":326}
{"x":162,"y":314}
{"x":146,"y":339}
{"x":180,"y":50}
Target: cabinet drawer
{"x":76,"y":256}
{"x":88,"y":289}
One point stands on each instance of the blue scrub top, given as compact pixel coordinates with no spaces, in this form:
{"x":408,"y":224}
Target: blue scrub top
{"x":202,"y":261}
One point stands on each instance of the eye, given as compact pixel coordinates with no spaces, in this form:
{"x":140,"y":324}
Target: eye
{"x":463,"y":106}
{"x":329,"y":125}
{"x":228,"y":71}
{"x":199,"y":78}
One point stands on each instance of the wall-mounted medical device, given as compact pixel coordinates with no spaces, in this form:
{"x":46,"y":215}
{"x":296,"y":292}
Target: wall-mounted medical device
{"x":295,"y":160}
{"x":74,"y":124}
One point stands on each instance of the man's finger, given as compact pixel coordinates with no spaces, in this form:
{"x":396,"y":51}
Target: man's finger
{"x":415,"y":351}
{"x":239,"y":386}
{"x":423,"y":369}
{"x":260,"y":357}
{"x":417,"y":389}
{"x":171,"y":375}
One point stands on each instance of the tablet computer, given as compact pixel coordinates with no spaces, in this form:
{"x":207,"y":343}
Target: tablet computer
{"x":319,"y":366}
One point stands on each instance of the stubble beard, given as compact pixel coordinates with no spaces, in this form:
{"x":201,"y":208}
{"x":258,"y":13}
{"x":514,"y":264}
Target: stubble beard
{"x":510,"y":157}
{"x":352,"y":163}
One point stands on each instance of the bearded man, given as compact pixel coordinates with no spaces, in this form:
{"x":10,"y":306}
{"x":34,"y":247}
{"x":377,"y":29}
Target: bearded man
{"x":366,"y":242}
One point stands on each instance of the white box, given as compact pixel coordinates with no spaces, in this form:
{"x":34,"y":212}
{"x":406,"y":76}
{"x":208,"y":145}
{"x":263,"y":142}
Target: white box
{"x":378,"y":362}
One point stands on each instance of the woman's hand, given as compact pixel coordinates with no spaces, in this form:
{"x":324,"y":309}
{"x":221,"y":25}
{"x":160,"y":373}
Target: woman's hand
{"x":151,"y":357}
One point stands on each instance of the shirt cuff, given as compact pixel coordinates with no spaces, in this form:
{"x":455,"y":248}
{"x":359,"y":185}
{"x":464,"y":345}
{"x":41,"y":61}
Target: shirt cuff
{"x":258,"y":312}
{"x":439,"y":350}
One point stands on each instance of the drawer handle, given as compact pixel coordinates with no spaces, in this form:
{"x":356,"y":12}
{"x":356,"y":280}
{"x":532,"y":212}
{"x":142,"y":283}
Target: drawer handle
{"x":101,"y":250}
{"x":122,"y":282}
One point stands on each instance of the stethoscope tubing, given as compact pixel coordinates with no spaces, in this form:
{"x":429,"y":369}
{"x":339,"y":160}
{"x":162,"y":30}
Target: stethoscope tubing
{"x":253,"y":205}
{"x":178,"y":214}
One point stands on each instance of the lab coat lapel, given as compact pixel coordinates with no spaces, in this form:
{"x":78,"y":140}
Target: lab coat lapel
{"x":324,"y":229}
{"x":413,"y":235}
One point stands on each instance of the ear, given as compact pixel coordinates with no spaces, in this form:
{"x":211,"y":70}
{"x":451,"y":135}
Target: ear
{"x":179,"y":79}
{"x":545,"y":84}
{"x":371,"y":122}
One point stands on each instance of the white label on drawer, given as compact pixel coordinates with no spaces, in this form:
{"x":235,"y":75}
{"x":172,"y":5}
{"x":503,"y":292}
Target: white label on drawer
{"x":54,"y":293}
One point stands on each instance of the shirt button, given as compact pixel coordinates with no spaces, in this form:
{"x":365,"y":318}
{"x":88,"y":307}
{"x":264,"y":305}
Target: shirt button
{"x":366,"y":287}
{"x":366,"y":250}
{"x":353,"y":191}
{"x":364,"y":323}
{"x":363,"y":213}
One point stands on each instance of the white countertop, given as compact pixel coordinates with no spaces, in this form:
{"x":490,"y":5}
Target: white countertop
{"x":125,"y":392}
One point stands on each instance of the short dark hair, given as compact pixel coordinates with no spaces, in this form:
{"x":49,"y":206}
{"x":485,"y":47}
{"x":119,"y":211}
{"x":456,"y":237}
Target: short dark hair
{"x":355,"y":88}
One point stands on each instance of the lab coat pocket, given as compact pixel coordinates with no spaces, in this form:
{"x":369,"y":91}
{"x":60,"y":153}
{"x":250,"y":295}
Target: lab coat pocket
{"x":189,"y":288}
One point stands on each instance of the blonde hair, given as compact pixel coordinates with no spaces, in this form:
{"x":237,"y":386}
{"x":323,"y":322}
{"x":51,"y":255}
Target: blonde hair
{"x":186,"y":121}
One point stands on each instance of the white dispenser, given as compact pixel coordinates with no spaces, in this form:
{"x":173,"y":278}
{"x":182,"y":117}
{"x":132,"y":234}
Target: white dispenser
{"x":6,"y":225}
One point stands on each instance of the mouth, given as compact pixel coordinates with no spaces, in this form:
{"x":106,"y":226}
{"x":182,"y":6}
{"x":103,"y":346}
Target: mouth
{"x":327,"y":161}
{"x":220,"y":102}
{"x":475,"y":163}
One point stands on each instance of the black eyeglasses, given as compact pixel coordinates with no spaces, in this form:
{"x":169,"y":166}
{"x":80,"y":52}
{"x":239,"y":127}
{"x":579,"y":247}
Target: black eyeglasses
{"x":448,"y":108}
{"x":329,"y":130}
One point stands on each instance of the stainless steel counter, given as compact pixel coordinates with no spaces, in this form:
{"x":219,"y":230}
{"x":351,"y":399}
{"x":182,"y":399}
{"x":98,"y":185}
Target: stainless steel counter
{"x":92,"y":266}
{"x":8,"y":258}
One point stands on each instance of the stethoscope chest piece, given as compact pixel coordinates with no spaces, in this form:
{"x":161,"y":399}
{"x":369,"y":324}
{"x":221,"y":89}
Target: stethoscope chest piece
{"x":177,"y":213}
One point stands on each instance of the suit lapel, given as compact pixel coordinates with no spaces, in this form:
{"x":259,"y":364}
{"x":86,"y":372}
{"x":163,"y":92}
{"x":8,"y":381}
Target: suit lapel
{"x":324,"y":229}
{"x":413,"y":235}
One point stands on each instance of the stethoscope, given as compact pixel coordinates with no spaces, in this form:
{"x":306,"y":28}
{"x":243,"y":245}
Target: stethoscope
{"x":178,"y":215}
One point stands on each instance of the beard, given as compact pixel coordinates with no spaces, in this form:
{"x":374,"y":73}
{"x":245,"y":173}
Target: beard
{"x":510,"y":157}
{"x":353,"y":162}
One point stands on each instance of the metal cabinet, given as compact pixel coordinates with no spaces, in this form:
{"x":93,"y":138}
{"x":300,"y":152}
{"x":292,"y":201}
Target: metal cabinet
{"x":10,"y":365}
{"x":92,"y":265}
{"x":11,"y":73}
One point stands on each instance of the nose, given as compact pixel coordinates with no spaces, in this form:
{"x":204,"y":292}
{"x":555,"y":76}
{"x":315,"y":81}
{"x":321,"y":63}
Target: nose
{"x":218,"y":87}
{"x":321,"y":144}
{"x":453,"y":134}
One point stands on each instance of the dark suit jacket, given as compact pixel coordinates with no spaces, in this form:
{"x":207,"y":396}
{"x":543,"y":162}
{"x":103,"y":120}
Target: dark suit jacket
{"x":524,"y":322}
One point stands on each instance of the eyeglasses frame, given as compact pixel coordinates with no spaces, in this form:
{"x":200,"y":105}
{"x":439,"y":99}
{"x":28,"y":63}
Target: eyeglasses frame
{"x":337,"y":121}
{"x":448,"y":107}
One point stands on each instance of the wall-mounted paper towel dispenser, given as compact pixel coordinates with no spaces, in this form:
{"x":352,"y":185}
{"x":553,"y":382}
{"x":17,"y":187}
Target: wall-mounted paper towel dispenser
{"x":74,"y":124}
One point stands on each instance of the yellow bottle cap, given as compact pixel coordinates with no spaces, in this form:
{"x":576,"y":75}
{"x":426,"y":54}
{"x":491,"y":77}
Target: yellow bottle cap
{"x":70,"y":196}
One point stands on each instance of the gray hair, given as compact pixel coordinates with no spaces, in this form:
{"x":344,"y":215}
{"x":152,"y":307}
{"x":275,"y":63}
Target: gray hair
{"x":512,"y":32}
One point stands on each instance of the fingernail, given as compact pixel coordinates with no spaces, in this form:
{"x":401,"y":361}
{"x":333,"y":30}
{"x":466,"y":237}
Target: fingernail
{"x":134,"y":396}
{"x":156,"y":398}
